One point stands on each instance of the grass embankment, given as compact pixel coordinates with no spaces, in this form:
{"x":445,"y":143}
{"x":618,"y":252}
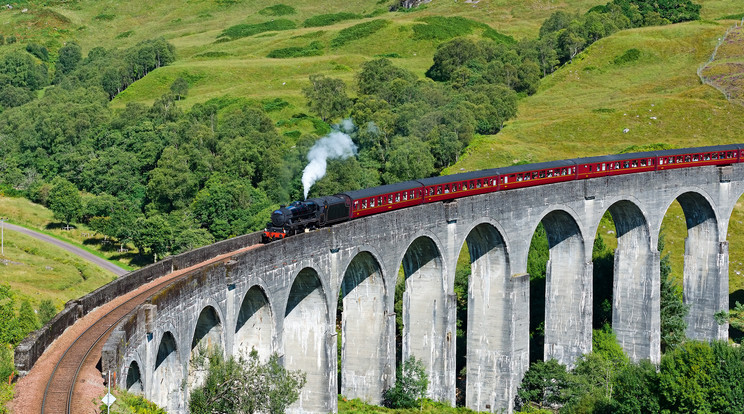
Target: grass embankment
{"x":36,"y":270}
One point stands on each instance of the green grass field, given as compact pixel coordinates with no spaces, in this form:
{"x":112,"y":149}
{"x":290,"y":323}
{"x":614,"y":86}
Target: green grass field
{"x":36,"y":271}
{"x":36,"y":217}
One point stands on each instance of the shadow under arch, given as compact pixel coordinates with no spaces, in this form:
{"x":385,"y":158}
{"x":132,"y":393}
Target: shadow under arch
{"x":367,"y":352}
{"x":489,"y":320}
{"x":207,"y":338}
{"x":254,"y":328}
{"x":134,"y":379}
{"x":568,"y":277}
{"x":705,"y":274}
{"x":425,"y":315}
{"x":165,"y":390}
{"x":306,"y":338}
{"x":635,"y":284}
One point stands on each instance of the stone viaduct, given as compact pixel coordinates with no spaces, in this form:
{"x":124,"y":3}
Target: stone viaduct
{"x":283,"y":297}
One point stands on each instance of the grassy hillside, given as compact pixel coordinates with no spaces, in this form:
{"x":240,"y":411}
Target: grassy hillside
{"x":36,"y":271}
{"x":583,"y":108}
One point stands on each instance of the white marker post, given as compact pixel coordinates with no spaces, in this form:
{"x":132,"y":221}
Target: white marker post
{"x":109,"y":399}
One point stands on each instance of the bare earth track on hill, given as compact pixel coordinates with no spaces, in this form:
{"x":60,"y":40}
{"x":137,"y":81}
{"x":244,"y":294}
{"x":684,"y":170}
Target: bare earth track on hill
{"x":75,"y":353}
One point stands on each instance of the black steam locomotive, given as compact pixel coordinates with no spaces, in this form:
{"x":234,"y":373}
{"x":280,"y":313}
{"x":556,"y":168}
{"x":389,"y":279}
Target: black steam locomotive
{"x":310,"y":214}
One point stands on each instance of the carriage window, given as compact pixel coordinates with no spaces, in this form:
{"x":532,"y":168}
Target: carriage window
{"x":687,"y":158}
{"x":550,"y":173}
{"x":643,"y":163}
{"x":446,"y":189}
{"x":519,"y":177}
{"x":617,"y":165}
{"x":590,"y":168}
{"x":397,"y":197}
{"x":390,"y":198}
{"x":626,"y":164}
{"x":379,"y":201}
{"x":706,"y":157}
{"x":356,"y":205}
{"x":696,"y":157}
{"x":478,"y":183}
{"x":634,"y":163}
{"x":364,"y":203}
{"x":714,"y":156}
{"x":729,"y":154}
{"x":542,"y":174}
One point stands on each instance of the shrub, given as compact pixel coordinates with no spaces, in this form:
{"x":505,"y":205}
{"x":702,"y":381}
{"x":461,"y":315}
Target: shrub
{"x":275,"y":104}
{"x":107,"y":17}
{"x":213,"y":55}
{"x":630,"y":55}
{"x":358,"y":31}
{"x":244,"y":30}
{"x":38,"y":50}
{"x":329,"y":19}
{"x":410,"y":385}
{"x":124,"y":35}
{"x":277,"y":10}
{"x":47,"y":311}
{"x":313,"y":49}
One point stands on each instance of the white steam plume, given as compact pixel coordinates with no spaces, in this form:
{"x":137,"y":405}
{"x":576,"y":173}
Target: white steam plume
{"x":336,"y":145}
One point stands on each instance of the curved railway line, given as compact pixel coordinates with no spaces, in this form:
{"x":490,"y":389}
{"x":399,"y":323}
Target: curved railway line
{"x":60,"y":386}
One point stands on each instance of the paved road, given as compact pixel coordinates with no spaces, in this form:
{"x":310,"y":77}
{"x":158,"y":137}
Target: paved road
{"x":118,"y":271}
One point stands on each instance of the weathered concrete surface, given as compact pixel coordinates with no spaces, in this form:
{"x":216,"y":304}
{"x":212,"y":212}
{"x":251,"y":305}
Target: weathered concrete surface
{"x":287,"y":292}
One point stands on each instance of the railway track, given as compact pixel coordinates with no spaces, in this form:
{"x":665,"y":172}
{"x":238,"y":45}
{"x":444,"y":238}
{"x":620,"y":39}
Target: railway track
{"x":60,"y":388}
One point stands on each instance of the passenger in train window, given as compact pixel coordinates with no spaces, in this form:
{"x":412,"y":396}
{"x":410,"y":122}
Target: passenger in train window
{"x":519,"y":177}
{"x":617,"y":165}
{"x":696,"y":158}
{"x":643,"y":162}
{"x":634,"y":163}
{"x":706,"y":157}
{"x":390,"y":198}
{"x":687,"y":158}
{"x":364,"y":204}
{"x":626,"y":164}
{"x":542,"y":174}
{"x":356,"y":205}
{"x":397,"y":197}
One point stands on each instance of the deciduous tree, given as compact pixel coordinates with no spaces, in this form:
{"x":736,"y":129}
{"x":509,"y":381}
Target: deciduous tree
{"x":327,"y":97}
{"x":65,"y":201}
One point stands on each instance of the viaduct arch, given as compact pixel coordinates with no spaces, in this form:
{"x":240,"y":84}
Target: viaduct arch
{"x":283,"y":297}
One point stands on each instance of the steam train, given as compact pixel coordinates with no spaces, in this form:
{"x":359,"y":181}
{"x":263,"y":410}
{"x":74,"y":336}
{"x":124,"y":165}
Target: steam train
{"x":314,"y":213}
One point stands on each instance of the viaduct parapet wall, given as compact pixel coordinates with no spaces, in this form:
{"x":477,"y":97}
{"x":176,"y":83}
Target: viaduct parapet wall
{"x":283,"y":297}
